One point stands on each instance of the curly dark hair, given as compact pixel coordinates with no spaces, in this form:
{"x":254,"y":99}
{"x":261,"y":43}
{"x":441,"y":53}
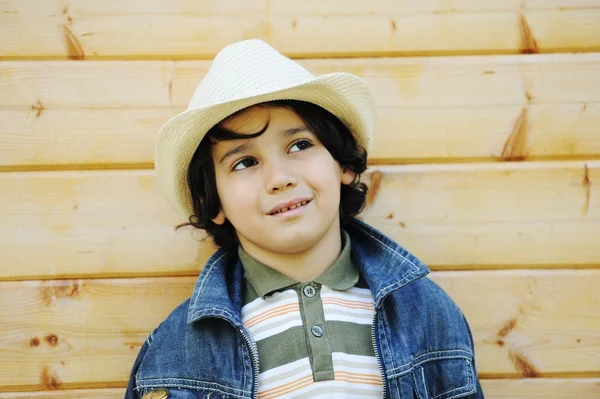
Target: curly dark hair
{"x":330,"y":131}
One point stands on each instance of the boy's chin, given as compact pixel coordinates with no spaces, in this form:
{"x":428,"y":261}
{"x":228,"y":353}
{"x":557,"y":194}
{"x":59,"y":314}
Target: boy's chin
{"x":280,"y":244}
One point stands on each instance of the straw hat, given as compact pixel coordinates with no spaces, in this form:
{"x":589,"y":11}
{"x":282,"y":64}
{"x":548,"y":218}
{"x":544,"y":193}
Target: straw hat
{"x":245,"y":74}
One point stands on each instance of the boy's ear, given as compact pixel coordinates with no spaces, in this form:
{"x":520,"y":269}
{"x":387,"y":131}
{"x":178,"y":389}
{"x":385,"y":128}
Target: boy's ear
{"x":220,"y":218}
{"x":347,"y":176}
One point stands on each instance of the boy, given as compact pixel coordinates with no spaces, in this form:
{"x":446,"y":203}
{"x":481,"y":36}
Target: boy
{"x":301,"y":299}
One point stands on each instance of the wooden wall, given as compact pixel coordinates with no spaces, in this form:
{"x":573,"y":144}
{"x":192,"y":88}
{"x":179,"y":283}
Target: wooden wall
{"x":486,"y":165}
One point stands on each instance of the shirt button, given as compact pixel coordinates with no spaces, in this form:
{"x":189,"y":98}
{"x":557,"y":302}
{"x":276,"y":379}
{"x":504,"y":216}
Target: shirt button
{"x":316,"y":331}
{"x":309,"y":291}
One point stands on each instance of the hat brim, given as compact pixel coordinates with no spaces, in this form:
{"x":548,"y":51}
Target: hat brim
{"x":346,"y":96}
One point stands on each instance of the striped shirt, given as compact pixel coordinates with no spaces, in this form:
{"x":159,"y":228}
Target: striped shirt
{"x":313,"y":338}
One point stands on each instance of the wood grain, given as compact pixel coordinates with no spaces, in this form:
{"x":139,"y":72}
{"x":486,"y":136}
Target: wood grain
{"x":488,"y":215}
{"x":67,"y":334}
{"x":470,"y":81}
{"x":92,"y":224}
{"x":462,"y":215}
{"x":58,"y":115}
{"x":53,"y":29}
{"x":42,"y":29}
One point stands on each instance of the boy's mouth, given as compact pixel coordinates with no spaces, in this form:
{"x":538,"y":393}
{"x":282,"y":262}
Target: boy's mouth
{"x":289,"y":206}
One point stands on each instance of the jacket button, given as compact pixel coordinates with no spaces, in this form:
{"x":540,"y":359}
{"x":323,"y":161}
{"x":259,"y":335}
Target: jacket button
{"x":160,"y":393}
{"x":316,"y":331}
{"x":309,"y":291}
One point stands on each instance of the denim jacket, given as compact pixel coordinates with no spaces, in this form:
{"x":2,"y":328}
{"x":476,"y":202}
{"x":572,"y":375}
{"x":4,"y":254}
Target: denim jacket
{"x":421,"y":339}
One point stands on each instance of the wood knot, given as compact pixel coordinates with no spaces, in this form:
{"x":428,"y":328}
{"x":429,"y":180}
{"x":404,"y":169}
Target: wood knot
{"x":523,"y":365}
{"x":133,"y":345}
{"x":52,"y":340}
{"x":59,"y":289}
{"x":586,"y":189}
{"x":515,"y":147}
{"x":528,"y":43}
{"x":50,"y":380}
{"x":38,"y":108}
{"x":374,"y":185}
{"x":35,"y":341}
{"x":507,"y":328}
{"x":74,"y":47}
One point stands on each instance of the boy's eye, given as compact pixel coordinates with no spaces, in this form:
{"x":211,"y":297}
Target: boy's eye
{"x":244,"y":163}
{"x":300,"y":145}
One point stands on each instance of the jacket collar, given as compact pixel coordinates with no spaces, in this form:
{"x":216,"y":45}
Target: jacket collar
{"x":385,"y":266}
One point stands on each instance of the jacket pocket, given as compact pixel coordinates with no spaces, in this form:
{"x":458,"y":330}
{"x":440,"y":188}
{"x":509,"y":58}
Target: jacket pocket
{"x":444,"y":377}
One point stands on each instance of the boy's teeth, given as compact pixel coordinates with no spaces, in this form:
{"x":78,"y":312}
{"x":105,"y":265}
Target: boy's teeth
{"x":292,"y":207}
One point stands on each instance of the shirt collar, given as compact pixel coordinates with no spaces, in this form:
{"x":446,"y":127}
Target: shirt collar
{"x":341,"y":275}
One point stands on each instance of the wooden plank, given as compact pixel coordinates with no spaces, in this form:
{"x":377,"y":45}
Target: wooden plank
{"x":71,"y":334}
{"x":473,"y":81}
{"x":79,"y":333}
{"x":532,"y":322}
{"x":52,"y":29}
{"x":488,"y":215}
{"x":195,"y":30}
{"x":387,"y":27}
{"x":85,"y":138}
{"x":92,"y":224}
{"x":527,"y":388}
{"x":58,"y":115}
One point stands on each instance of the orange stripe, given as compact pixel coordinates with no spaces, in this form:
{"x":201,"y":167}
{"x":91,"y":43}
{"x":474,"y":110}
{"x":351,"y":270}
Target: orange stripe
{"x":367,"y":303}
{"x":357,"y":378}
{"x":348,"y":304}
{"x":270,"y":314}
{"x":286,"y":388}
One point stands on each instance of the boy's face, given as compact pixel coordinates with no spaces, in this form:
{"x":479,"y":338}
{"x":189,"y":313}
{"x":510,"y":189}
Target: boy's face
{"x":286,"y":166}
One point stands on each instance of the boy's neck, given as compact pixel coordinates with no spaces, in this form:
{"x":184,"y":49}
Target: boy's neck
{"x":302,"y":266}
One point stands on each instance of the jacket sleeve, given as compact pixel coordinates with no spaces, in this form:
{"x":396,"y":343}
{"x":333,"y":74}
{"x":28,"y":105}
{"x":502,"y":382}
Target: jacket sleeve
{"x":131,"y":392}
{"x":479,"y":393}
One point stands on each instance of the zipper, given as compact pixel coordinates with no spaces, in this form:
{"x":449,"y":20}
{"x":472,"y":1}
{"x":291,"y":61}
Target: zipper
{"x":253,"y":352}
{"x":383,"y":384}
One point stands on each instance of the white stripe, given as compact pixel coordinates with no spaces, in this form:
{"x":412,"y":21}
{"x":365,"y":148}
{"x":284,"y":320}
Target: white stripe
{"x":275,"y":325}
{"x":341,"y":313}
{"x":355,"y":363}
{"x":327,"y":389}
{"x":353,"y":294}
{"x":260,"y":305}
{"x":299,"y":369}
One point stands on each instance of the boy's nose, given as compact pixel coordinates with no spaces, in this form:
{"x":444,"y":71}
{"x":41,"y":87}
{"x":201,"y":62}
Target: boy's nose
{"x":281,"y":186}
{"x":279,"y":178}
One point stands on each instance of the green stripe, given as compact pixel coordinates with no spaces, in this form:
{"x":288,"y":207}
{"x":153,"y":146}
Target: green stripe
{"x":351,"y":338}
{"x":282,"y":348}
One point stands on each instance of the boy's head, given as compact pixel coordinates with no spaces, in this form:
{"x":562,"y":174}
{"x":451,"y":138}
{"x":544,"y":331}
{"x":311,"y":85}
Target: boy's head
{"x":243,"y":107}
{"x":251,"y":168}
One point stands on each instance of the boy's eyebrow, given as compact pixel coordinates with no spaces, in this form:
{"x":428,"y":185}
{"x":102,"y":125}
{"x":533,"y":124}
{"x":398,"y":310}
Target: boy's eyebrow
{"x":235,"y":150}
{"x":291,"y":131}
